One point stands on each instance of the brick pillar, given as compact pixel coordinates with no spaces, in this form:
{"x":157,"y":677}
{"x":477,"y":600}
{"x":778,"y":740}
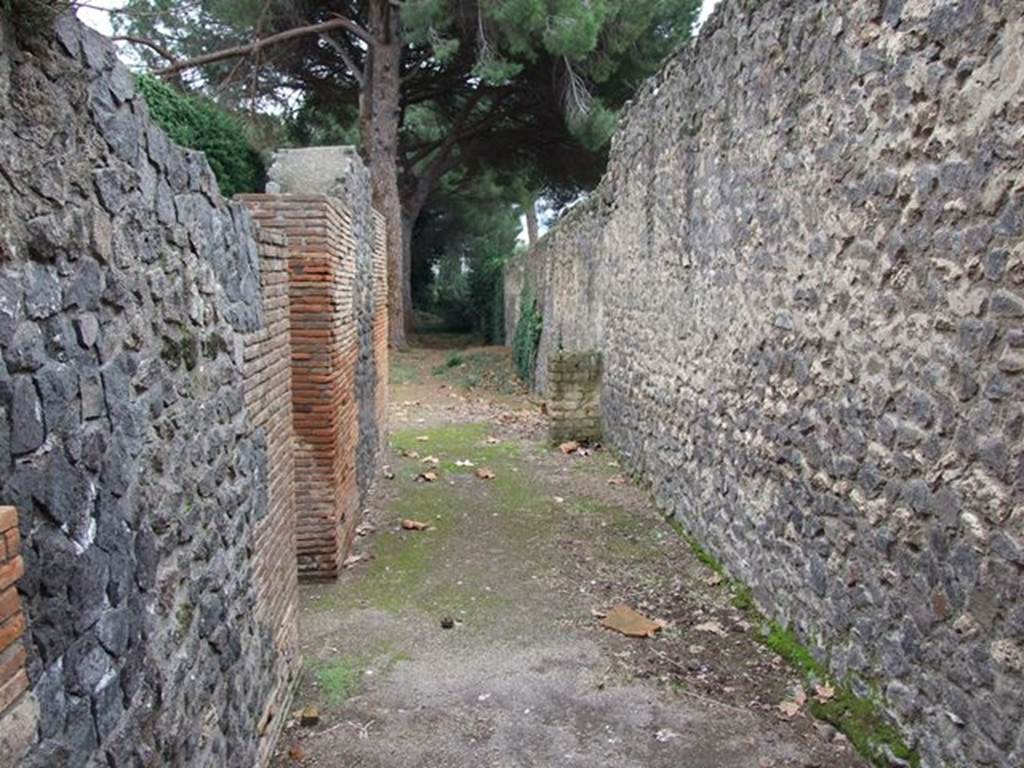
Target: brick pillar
{"x":324,"y":350}
{"x":18,"y":708}
{"x":380,"y":321}
{"x":268,"y":397}
{"x":573,"y":388}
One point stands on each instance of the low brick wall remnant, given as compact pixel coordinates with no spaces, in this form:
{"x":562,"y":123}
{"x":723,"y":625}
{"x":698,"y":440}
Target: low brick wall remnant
{"x":574,"y":380}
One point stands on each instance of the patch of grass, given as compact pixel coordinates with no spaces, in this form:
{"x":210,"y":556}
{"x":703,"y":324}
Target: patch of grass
{"x":337,"y":679}
{"x":454,"y":360}
{"x":862,"y":720}
{"x":453,"y":442}
{"x":410,"y":570}
{"x":785,"y":643}
{"x":702,"y":554}
{"x":742,"y":598}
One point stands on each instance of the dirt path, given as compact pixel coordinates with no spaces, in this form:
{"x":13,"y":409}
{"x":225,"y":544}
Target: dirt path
{"x":522,"y":564}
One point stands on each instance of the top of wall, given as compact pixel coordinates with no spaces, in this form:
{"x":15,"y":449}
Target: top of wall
{"x":313,"y":170}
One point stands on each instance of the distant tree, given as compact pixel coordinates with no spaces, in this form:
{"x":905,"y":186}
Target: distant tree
{"x":435,"y":84}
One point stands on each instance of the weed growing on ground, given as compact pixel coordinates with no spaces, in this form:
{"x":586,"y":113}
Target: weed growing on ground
{"x":337,"y":679}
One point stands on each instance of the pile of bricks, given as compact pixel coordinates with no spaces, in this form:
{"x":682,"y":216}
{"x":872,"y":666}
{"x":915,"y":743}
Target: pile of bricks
{"x":573,"y":388}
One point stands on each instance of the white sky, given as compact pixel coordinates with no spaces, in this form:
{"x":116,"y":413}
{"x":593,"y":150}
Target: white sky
{"x":707,"y":6}
{"x":98,"y":19}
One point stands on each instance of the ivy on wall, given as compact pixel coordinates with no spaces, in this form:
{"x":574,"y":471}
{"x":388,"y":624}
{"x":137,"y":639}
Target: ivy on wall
{"x":200,"y":124}
{"x":524,"y":344}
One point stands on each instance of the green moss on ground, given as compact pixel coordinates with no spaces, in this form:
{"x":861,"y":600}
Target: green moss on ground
{"x":401,"y":372}
{"x":411,"y":570}
{"x":862,"y":720}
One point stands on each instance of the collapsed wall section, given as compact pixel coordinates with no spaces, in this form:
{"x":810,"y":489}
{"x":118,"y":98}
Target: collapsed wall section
{"x":808,"y":266}
{"x":144,"y":426}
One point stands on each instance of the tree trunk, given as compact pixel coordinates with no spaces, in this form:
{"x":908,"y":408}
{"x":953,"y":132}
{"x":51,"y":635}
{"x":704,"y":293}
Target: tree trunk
{"x":530,"y":207}
{"x":382,"y":101}
{"x":408,"y":222}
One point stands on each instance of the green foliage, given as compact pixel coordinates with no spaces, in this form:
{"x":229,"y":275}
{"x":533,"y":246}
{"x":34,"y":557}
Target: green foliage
{"x":528,"y":330}
{"x":199,"y":124}
{"x":594,"y":130}
{"x":497,"y":71}
{"x":338,"y":679}
{"x":459,"y":251}
{"x":312,"y":126}
{"x":496,"y":326}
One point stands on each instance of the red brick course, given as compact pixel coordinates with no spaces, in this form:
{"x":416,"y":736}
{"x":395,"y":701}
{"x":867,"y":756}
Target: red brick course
{"x":380,"y":321}
{"x":13,"y":680}
{"x":268,"y":398}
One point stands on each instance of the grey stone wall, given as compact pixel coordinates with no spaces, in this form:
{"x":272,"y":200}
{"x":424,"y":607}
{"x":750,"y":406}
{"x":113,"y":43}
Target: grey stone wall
{"x":127,"y":289}
{"x":558,"y":273}
{"x":805,"y":271}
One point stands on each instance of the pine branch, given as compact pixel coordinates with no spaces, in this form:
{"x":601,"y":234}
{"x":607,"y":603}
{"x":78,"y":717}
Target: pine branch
{"x":338,"y":22}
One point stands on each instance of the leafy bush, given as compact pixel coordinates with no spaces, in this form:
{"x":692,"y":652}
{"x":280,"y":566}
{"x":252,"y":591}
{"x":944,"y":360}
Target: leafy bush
{"x":528,"y":329}
{"x":200,"y":124}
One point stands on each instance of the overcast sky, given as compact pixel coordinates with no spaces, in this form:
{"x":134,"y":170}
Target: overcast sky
{"x":100,"y":20}
{"x":707,"y":6}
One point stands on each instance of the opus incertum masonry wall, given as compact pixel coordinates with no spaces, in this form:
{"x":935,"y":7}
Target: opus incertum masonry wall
{"x":804,"y":270}
{"x":150,"y":395}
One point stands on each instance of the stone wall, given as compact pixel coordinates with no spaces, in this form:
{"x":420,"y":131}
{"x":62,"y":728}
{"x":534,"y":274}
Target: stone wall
{"x":558,"y":274}
{"x":147,"y":430}
{"x":805,"y":271}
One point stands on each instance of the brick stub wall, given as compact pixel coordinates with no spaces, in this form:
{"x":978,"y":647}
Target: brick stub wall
{"x":268,"y":396}
{"x":573,"y":389}
{"x":18,"y":709}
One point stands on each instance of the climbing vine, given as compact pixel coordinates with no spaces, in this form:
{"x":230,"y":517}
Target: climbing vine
{"x":524,"y":345}
{"x":200,"y":124}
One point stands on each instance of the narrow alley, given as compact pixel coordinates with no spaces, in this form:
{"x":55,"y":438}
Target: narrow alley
{"x":478,"y":641}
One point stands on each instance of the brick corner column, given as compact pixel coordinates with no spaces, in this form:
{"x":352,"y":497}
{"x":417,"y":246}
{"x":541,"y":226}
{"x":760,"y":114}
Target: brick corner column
{"x":324,"y":351}
{"x":19,"y":710}
{"x":381,"y":336}
{"x":268,"y":397}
